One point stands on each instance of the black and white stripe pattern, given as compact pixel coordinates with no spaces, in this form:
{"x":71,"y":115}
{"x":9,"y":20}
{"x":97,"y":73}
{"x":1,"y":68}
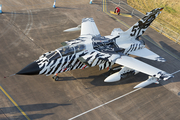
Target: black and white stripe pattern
{"x":140,"y":27}
{"x":59,"y":65}
{"x":72,"y":62}
{"x":105,"y":64}
{"x":97,"y":58}
{"x":135,"y":47}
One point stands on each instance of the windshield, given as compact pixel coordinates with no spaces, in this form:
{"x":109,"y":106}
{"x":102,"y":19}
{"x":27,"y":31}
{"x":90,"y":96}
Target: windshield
{"x":53,"y":55}
{"x":66,"y":50}
{"x":79,"y":48}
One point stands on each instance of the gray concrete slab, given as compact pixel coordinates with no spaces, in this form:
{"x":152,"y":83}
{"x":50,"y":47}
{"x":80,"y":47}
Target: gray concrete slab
{"x":30,"y":28}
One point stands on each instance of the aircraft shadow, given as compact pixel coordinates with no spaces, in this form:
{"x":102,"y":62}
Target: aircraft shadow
{"x":148,"y":40}
{"x":176,"y":54}
{"x":33,"y":116}
{"x":127,"y":80}
{"x":32,"y":107}
{"x":169,"y":48}
{"x":140,"y":77}
{"x":98,"y":80}
{"x":171,"y":51}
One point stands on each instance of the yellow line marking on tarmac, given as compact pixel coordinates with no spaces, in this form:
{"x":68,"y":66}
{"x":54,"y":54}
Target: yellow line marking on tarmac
{"x":104,"y":10}
{"x":122,"y":14}
{"x":167,"y":51}
{"x":15,"y":104}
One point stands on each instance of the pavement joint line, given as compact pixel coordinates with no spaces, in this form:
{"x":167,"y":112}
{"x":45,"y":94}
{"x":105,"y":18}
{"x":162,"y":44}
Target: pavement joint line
{"x":167,"y":51}
{"x":175,"y":72}
{"x":13,"y":14}
{"x":105,"y":103}
{"x":14,"y":103}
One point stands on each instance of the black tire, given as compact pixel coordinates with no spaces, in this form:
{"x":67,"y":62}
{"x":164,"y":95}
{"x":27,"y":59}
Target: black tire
{"x":56,"y":78}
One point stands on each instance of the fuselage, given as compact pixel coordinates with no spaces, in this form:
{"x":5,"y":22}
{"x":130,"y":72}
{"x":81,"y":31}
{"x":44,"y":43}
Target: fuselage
{"x":94,"y":50}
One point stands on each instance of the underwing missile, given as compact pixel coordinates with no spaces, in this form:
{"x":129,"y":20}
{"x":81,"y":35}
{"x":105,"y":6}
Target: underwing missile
{"x":113,"y":78}
{"x":121,"y":74}
{"x":147,"y":82}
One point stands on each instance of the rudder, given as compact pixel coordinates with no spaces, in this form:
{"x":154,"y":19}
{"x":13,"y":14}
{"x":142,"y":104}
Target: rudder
{"x":140,"y":27}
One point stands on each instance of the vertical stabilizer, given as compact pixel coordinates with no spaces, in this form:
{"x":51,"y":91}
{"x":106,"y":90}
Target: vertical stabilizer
{"x":140,"y":27}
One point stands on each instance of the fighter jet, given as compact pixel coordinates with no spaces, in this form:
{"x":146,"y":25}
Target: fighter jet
{"x":92,"y":49}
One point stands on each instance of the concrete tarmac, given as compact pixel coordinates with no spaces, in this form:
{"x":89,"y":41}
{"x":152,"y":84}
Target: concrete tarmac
{"x":30,"y":28}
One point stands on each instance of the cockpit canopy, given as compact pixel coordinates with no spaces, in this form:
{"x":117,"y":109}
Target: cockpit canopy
{"x":106,"y":45}
{"x":64,"y":51}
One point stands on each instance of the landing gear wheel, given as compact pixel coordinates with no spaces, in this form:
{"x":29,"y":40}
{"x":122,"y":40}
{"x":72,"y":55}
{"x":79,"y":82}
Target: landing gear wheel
{"x":56,"y":78}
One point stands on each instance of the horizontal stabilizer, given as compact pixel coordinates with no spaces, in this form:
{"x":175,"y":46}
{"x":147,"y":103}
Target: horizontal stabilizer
{"x":148,"y":54}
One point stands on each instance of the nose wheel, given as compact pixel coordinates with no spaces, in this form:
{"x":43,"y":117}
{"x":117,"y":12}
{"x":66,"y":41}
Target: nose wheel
{"x":55,"y":77}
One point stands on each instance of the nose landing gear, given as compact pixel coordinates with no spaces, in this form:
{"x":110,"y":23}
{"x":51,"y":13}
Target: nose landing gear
{"x":55,"y":77}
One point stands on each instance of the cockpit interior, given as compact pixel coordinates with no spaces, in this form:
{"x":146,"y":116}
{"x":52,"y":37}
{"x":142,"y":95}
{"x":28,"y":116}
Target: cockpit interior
{"x":65,"y":51}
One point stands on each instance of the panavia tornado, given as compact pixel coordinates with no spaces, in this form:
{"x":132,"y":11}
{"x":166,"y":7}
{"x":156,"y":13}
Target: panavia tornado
{"x":92,"y":49}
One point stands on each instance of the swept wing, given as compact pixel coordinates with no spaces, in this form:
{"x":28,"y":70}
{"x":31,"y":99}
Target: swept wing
{"x":142,"y":67}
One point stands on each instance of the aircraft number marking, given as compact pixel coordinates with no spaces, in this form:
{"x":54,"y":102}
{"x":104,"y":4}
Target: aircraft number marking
{"x":134,"y":30}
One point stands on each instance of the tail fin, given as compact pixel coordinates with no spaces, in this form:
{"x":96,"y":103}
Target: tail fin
{"x":140,"y":27}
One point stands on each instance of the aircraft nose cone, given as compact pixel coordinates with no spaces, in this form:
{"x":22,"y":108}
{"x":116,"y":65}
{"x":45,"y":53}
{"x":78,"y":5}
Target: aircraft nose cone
{"x":31,"y":69}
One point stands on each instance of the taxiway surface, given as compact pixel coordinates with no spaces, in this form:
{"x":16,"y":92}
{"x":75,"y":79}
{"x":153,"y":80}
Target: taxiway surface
{"x":30,"y":28}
